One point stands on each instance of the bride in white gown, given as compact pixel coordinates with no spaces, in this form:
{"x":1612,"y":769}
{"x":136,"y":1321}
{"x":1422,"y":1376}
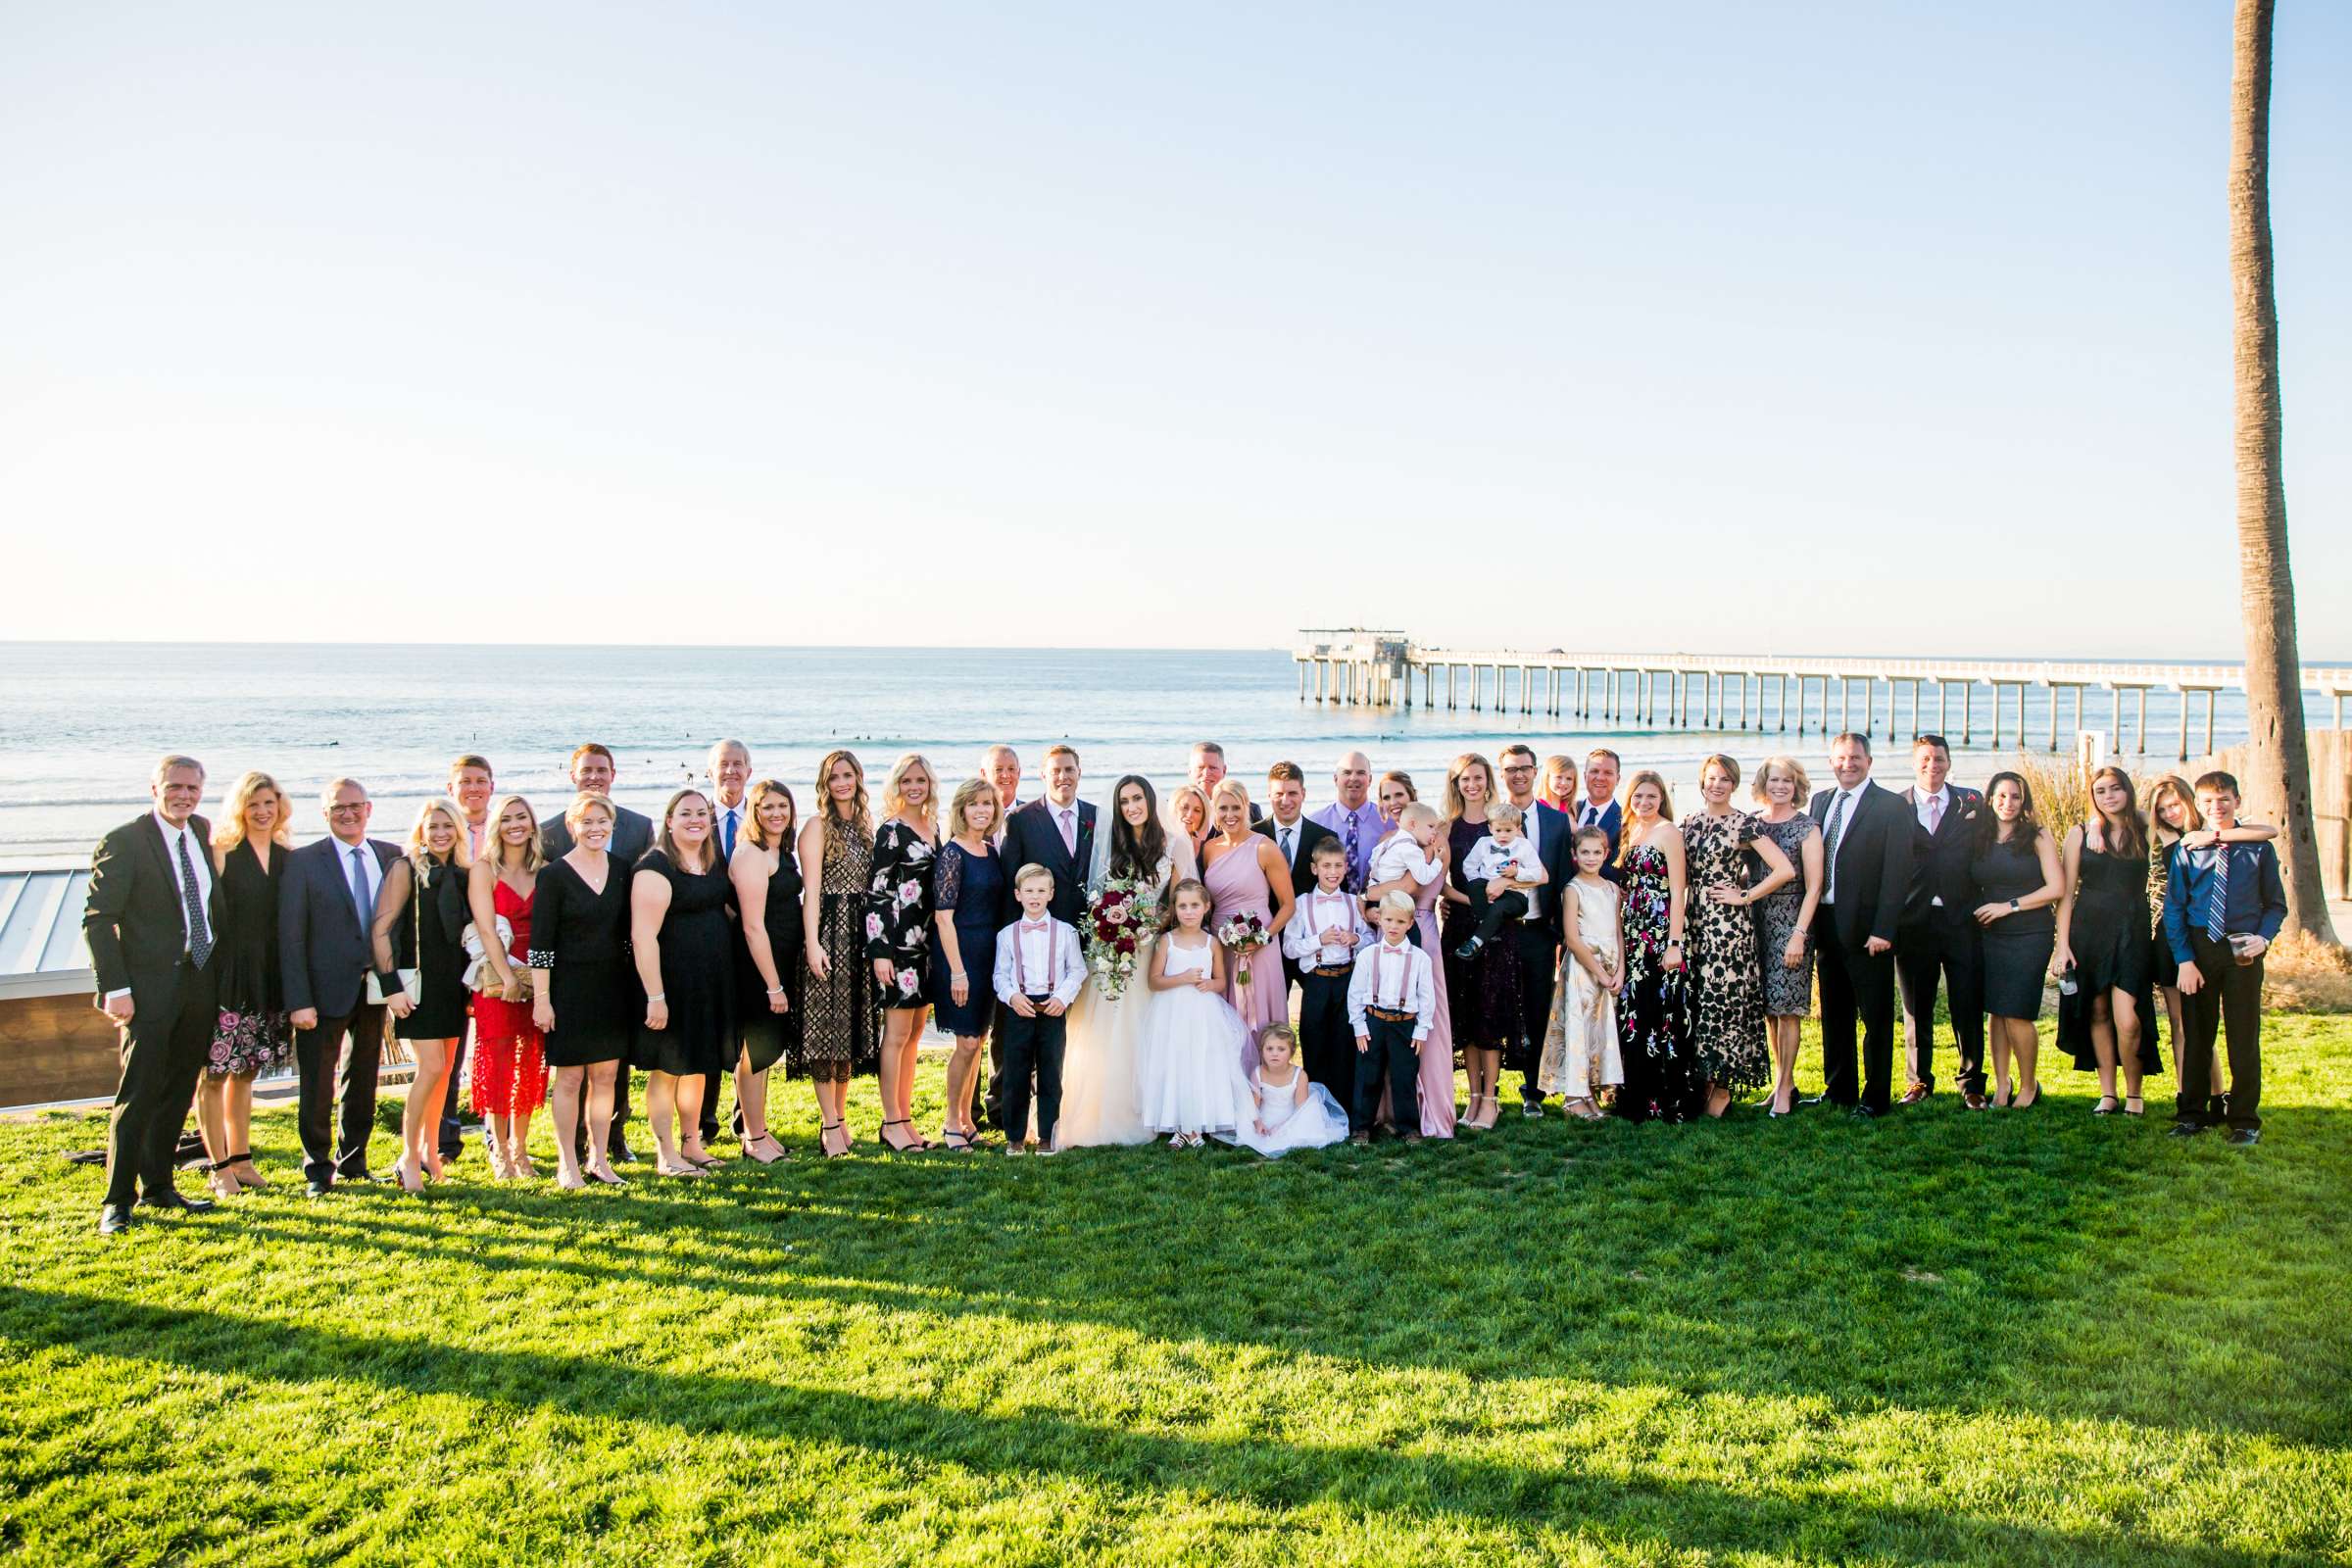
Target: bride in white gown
{"x":1101,"y":1060}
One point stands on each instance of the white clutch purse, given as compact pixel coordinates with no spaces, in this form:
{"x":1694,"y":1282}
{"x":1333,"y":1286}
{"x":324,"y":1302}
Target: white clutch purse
{"x":412,"y":984}
{"x":478,"y":963}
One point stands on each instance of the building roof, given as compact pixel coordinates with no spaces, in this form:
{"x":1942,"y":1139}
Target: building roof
{"x":41,"y":951}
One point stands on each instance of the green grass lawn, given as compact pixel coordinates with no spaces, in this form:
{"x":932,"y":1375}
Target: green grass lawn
{"x":2001,"y":1338}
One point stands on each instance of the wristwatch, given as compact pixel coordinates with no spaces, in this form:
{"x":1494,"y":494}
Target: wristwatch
{"x":2013,"y":909}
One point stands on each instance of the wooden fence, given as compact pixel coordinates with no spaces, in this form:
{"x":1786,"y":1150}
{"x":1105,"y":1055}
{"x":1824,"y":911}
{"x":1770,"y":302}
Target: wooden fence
{"x":2330,"y":800}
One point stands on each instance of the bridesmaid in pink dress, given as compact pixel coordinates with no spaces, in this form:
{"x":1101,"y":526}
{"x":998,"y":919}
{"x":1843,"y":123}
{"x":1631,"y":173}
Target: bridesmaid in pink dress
{"x":1245,"y":874}
{"x":1437,"y":1052}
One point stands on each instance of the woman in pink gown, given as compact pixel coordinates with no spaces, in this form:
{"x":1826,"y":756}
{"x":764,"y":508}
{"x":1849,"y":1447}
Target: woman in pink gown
{"x":1437,"y":1052}
{"x":1245,"y":874}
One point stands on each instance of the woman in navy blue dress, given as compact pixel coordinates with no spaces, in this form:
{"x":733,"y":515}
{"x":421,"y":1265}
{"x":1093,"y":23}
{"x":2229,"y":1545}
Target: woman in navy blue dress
{"x":967,"y":888}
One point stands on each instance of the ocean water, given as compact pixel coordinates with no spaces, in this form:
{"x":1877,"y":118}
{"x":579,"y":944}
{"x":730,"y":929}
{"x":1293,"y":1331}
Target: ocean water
{"x":81,"y":723}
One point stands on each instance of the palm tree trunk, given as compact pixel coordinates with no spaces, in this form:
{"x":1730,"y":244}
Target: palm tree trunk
{"x":2281,"y":756}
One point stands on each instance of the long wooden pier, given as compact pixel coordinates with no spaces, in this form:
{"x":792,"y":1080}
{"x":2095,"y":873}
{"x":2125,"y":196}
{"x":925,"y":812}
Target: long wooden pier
{"x":1742,"y":692}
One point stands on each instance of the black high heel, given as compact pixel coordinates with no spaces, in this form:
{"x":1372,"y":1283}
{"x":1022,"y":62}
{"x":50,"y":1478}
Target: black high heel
{"x":829,"y":1154}
{"x":918,"y":1147}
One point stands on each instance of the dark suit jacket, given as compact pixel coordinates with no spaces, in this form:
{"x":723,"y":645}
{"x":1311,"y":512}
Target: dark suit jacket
{"x":632,"y":835}
{"x":1939,"y":864}
{"x":1032,"y":837}
{"x":323,"y":947}
{"x":1551,"y":833}
{"x":1311,"y":834}
{"x":134,"y":921}
{"x":1873,"y":863}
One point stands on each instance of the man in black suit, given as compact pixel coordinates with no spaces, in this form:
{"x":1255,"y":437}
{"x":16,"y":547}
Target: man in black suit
{"x":1057,"y":832}
{"x":1866,"y":854}
{"x":150,"y":923}
{"x":593,"y":773}
{"x":1537,"y":949}
{"x":1208,"y":771}
{"x":1940,"y":936}
{"x":1293,"y":834}
{"x":326,"y":908}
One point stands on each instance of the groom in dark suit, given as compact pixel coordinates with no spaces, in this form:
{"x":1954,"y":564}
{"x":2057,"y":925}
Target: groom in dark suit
{"x":1057,"y":832}
{"x":151,"y":923}
{"x":1939,"y":938}
{"x":1537,"y":950}
{"x":325,"y":910}
{"x":1293,"y":834}
{"x":1866,"y":847}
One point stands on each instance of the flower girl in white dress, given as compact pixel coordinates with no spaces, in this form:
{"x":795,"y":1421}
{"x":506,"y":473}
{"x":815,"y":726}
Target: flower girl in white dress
{"x":1101,"y":1082}
{"x":1579,"y":1051}
{"x":1288,"y":1111}
{"x":1191,"y":1037}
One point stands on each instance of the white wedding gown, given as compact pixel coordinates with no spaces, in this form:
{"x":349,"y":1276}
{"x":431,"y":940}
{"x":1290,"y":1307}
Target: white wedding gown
{"x":1101,"y":1068}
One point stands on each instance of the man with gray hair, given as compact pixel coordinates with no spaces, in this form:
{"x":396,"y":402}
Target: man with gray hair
{"x":325,"y":913}
{"x":152,"y":921}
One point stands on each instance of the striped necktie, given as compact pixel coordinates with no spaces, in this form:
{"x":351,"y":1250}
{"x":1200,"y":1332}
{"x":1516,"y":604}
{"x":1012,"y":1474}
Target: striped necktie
{"x":2217,"y":915}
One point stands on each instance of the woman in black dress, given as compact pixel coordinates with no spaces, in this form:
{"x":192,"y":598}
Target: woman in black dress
{"x":1664,"y":1080}
{"x":968,"y":891}
{"x":2105,"y":937}
{"x":684,"y":946}
{"x":584,"y":994}
{"x":1483,"y":991}
{"x":2018,"y":878}
{"x":767,"y":989}
{"x":250,"y":1036}
{"x":420,"y":920}
{"x":898,"y":936}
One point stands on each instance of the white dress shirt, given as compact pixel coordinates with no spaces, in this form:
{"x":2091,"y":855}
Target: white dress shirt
{"x":372,"y":876}
{"x":1038,"y":958}
{"x":1489,"y":859}
{"x":1302,"y":938}
{"x":1395,"y":978}
{"x":1400,"y":857}
{"x":1942,"y":801}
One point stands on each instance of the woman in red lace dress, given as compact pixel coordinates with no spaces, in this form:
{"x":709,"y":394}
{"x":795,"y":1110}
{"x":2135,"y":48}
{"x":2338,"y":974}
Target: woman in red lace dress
{"x":510,"y":1059}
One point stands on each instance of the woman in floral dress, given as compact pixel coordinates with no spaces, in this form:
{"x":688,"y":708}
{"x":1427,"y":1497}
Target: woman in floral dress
{"x":898,"y":935}
{"x":1727,"y":1014}
{"x":1663,"y":1079}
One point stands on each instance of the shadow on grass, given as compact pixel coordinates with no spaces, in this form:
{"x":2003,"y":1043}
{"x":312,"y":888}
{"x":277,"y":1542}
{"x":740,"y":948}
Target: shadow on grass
{"x":1014,"y":1448}
{"x":1950,"y":1262}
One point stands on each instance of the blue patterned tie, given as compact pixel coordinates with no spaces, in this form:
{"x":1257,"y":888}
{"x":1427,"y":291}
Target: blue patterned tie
{"x":361,"y":902}
{"x":200,"y":937}
{"x":2216,"y":918}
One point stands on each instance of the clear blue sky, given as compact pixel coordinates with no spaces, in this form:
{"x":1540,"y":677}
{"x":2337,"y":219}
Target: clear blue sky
{"x":1891,"y":327}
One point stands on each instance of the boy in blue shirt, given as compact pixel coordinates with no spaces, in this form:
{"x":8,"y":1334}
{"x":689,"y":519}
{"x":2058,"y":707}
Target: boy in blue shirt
{"x":2223,"y":904}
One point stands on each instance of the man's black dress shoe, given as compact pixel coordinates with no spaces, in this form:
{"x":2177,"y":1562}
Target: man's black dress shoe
{"x":1863,"y":1113}
{"x":2184,"y":1129}
{"x":186,"y":1206}
{"x":2243,"y":1137}
{"x":114,"y":1220}
{"x":317,"y":1189}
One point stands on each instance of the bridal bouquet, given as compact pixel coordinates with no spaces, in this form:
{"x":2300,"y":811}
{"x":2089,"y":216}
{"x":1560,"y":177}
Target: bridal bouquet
{"x":1118,"y":923}
{"x":1241,"y":936}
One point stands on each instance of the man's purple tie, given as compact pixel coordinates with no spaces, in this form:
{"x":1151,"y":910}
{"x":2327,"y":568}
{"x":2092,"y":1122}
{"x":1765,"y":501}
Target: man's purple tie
{"x":1069,"y":831}
{"x":361,"y":902}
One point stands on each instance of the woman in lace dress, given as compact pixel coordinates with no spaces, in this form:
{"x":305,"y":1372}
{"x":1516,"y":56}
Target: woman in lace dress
{"x":841,"y":1030}
{"x":1785,"y":920}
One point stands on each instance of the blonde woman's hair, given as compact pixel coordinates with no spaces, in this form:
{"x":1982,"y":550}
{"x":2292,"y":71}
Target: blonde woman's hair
{"x":967,"y":794}
{"x":585,"y":802}
{"x":421,"y":855}
{"x":229,"y":831}
{"x":494,"y":842}
{"x":861,"y":823}
{"x":760,"y":792}
{"x":894,"y":801}
{"x":1176,"y":799}
{"x":1629,"y":842}
{"x":1228,"y":785}
{"x":1796,"y":775}
{"x":1455,"y":805}
{"x":2172,"y":786}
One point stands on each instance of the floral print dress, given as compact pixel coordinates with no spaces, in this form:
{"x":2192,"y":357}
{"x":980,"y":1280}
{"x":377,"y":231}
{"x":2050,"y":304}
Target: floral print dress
{"x":1727,"y":1014}
{"x":1663,"y":1079}
{"x":899,"y":910}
